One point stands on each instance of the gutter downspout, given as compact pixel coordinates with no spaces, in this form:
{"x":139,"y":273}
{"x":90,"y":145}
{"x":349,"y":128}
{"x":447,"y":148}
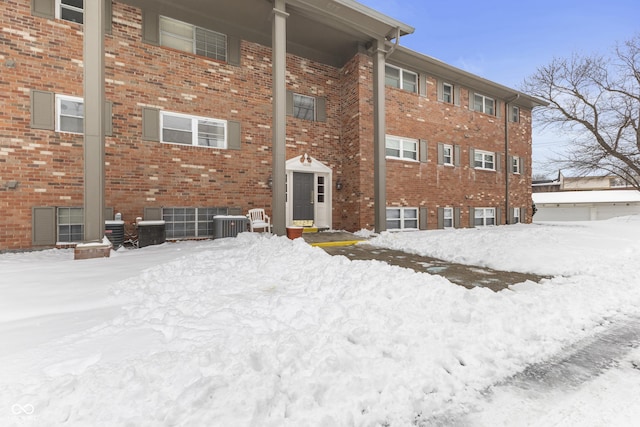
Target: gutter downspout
{"x":395,"y":44}
{"x":506,"y":156}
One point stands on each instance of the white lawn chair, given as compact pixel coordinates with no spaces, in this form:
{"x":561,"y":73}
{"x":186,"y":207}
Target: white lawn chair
{"x":259,"y":219}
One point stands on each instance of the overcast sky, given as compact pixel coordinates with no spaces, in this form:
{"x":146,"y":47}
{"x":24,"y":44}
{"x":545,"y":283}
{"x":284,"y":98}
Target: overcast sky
{"x":506,"y":41}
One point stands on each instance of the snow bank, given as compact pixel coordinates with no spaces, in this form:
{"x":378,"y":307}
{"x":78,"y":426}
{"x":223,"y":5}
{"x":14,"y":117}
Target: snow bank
{"x":268,"y":331}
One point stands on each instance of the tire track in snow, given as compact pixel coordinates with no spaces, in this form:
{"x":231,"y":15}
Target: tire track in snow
{"x":554,"y":379}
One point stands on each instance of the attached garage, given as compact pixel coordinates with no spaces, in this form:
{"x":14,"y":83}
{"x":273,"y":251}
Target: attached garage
{"x":585,"y":205}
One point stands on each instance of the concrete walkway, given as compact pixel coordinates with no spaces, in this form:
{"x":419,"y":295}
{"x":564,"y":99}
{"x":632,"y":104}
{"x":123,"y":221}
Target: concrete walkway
{"x":356,"y":248}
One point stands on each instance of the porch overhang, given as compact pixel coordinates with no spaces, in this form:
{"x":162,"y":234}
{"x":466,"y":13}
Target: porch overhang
{"x":327,"y":31}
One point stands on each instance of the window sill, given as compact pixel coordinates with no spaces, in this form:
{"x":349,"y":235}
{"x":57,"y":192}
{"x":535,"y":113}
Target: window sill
{"x":401,"y":89}
{"x":192,"y":146}
{"x":484,"y":169}
{"x":401,"y":159}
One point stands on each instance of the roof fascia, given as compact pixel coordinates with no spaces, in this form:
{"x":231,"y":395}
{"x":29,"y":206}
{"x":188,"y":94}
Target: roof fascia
{"x":418,"y":62}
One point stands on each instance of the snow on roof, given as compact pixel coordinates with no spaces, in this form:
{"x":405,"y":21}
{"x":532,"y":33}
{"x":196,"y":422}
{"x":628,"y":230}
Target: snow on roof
{"x":604,"y":196}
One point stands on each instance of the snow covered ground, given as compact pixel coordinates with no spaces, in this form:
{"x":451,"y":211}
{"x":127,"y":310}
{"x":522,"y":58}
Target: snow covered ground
{"x":265,"y":331}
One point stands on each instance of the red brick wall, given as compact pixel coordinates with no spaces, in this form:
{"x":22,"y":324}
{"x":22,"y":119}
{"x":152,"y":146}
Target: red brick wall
{"x":42,"y":54}
{"x":416,"y":184}
{"x":143,"y":173}
{"x":46,"y":55}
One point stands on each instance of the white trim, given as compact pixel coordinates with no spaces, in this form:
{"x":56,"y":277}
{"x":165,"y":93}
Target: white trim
{"x":307,"y":164}
{"x":484,"y":155}
{"x":515,"y":165}
{"x":404,"y":219}
{"x":59,"y":99}
{"x":451,"y":161}
{"x":484,"y":216}
{"x":194,"y":129}
{"x":401,"y":141}
{"x":445,"y":218}
{"x":484,"y":104}
{"x":401,"y":74}
{"x":449,"y":85}
{"x":59,"y":6}
{"x":515,"y":114}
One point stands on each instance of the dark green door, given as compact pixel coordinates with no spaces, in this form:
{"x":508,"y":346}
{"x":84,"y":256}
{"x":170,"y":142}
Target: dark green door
{"x":303,"y":196}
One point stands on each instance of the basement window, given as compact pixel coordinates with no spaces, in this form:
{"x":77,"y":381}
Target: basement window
{"x":70,"y":225}
{"x":184,"y":223}
{"x":447,"y":218}
{"x":484,"y":217}
{"x":402,"y":218}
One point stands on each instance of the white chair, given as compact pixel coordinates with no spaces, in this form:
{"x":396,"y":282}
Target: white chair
{"x":259,"y":219}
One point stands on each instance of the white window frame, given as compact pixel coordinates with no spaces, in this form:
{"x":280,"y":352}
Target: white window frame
{"x":195,"y":134}
{"x":321,"y":189}
{"x":484,"y":160}
{"x":447,"y":217}
{"x":447,"y":148}
{"x":401,"y":79}
{"x":516,"y":215}
{"x":59,"y":100}
{"x":449,"y":94}
{"x":404,"y":148}
{"x":515,"y":114}
{"x":404,"y":218}
{"x":61,"y":4}
{"x":298,"y":107}
{"x":515,"y":165}
{"x":487,"y":216}
{"x":220,"y":39}
{"x":484,"y":104}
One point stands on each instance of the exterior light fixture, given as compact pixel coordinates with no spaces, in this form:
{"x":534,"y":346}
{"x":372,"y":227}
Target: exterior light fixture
{"x":339,"y":184}
{"x":270,"y":181}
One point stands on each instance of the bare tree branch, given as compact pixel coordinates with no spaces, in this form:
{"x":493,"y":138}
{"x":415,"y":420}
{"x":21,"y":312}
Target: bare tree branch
{"x":596,"y":100}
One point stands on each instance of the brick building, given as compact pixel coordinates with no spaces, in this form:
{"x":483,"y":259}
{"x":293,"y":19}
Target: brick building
{"x":311,"y":109}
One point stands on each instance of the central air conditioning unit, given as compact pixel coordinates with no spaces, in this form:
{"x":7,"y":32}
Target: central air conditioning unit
{"x":229,"y":225}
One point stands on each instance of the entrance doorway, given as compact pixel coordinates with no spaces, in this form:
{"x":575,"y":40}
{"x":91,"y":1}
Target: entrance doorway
{"x":303,"y":198}
{"x":308,"y":192}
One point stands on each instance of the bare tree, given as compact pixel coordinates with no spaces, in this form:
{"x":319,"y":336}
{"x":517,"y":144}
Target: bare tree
{"x":597,"y":100}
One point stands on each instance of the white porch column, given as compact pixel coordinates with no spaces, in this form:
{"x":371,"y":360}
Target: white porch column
{"x":279,"y":91}
{"x":94,"y":172}
{"x":379,"y":131}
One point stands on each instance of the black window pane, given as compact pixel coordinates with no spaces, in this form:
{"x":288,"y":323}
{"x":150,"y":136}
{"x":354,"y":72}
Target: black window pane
{"x":71,"y":15}
{"x":176,"y":136}
{"x":75,"y":3}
